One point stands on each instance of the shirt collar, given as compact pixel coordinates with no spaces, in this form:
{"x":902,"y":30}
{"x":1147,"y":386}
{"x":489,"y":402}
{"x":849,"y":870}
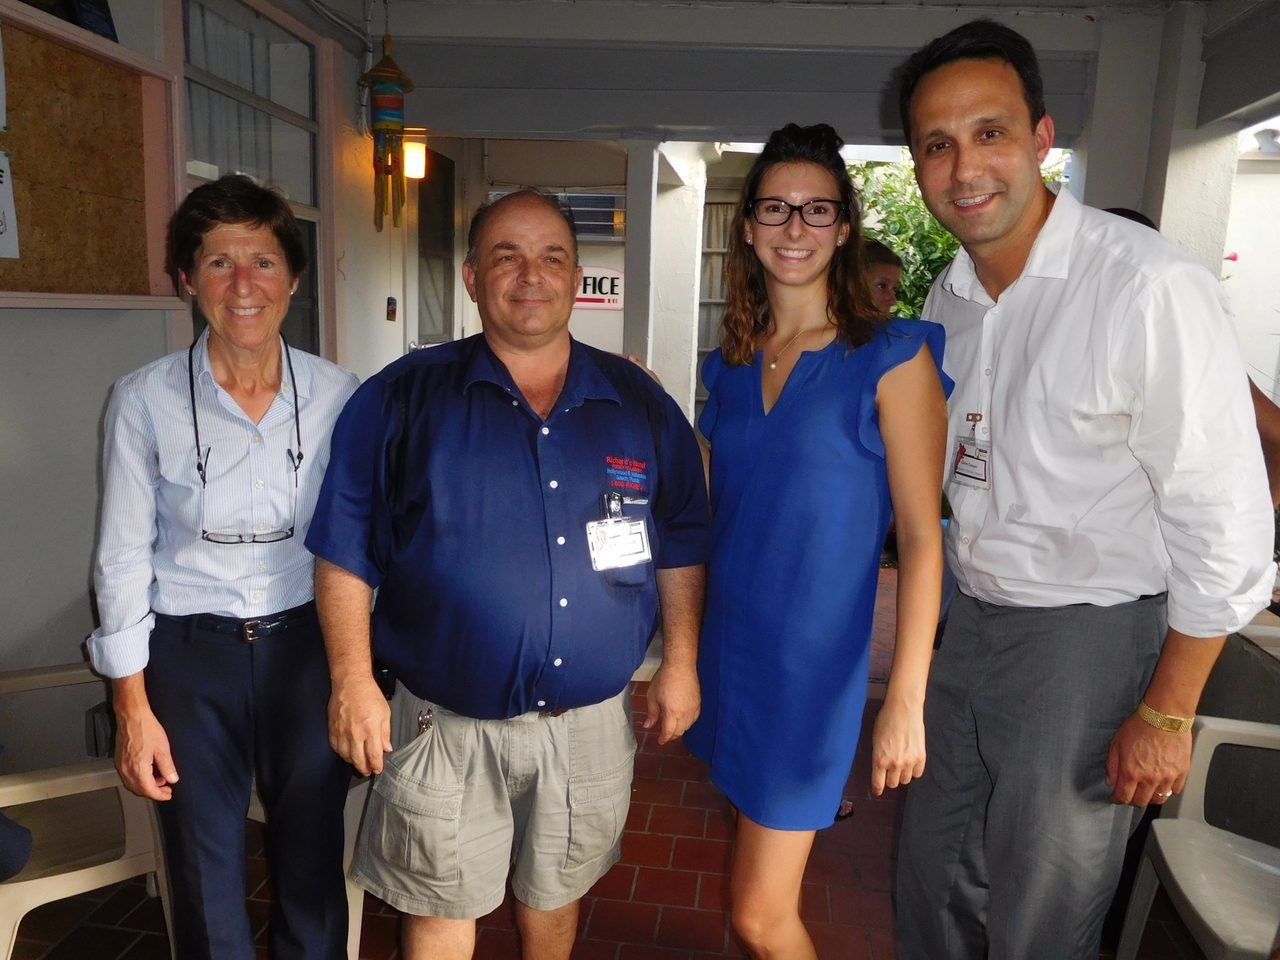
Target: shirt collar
{"x":584,"y":379}
{"x":1050,"y":255}
{"x":301,"y":369}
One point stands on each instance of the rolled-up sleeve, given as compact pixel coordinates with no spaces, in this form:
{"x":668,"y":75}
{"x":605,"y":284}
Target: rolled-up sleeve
{"x":1193,"y":431}
{"x":123,"y":574}
{"x":682,"y":514}
{"x":348,"y":528}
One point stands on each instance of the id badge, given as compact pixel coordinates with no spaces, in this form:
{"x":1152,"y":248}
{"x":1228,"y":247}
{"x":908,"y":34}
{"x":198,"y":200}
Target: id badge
{"x":971,"y":462}
{"x":617,"y":541}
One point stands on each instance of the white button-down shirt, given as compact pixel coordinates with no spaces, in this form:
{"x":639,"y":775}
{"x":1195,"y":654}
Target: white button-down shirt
{"x":150,"y":553}
{"x":1124,"y":454}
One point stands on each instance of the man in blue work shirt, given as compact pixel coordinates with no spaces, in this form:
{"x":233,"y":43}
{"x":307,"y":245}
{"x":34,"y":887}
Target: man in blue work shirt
{"x":521,"y":501}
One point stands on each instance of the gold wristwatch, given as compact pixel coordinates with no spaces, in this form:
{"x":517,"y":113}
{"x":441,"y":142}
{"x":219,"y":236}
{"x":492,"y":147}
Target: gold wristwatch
{"x":1162,"y":721}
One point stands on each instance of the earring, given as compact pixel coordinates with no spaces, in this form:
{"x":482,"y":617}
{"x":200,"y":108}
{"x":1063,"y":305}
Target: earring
{"x":839,"y":243}
{"x":749,"y":241}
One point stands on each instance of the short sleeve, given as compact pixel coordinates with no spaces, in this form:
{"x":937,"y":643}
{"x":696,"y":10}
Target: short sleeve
{"x":899,"y":342}
{"x":351,"y":522}
{"x":682,"y":515}
{"x":712,"y":366}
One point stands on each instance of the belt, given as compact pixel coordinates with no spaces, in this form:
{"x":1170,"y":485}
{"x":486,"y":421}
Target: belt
{"x":552,"y":713}
{"x":250,"y":629}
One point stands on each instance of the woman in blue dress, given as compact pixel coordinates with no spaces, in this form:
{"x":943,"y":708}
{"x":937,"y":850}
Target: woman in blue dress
{"x":823,"y":421}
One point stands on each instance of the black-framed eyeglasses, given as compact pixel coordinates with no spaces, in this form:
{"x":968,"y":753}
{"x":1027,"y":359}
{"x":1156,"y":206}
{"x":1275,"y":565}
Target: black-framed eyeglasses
{"x":202,"y":460}
{"x":774,"y":211}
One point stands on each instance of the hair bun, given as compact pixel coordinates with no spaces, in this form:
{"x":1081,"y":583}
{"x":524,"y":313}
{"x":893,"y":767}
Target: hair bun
{"x":819,"y":140}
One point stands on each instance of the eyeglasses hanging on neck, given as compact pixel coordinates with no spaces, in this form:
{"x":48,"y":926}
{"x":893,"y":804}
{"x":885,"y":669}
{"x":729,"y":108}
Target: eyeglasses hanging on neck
{"x":202,"y":461}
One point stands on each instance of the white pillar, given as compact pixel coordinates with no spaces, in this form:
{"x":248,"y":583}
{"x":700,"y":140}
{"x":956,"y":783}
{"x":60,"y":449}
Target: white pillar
{"x":677,"y":267}
{"x":1190,"y":169}
{"x":642,"y":179}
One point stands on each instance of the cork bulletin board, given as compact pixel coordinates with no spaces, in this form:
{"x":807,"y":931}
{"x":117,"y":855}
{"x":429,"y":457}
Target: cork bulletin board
{"x":76,"y":148}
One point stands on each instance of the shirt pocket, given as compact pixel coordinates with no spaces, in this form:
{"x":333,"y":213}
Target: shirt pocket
{"x":415,"y":812}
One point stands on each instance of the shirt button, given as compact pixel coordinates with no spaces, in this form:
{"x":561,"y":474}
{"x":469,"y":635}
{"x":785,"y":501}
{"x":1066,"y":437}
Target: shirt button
{"x":262,"y":565}
{"x":515,"y":403}
{"x":564,"y":601}
{"x":988,"y":371}
{"x":557,"y":661}
{"x":545,"y":431}
{"x":964,"y":539}
{"x":542,"y":703}
{"x":553,"y":484}
{"x":257,"y":438}
{"x":259,"y":528}
{"x":560,"y":541}
{"x":258,"y":484}
{"x":257,"y":595}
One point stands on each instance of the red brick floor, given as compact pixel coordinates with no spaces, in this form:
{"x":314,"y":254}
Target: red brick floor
{"x":665,"y":899}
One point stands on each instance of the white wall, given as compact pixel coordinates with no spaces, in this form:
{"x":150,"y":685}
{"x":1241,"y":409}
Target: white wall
{"x":56,"y":368}
{"x":601,"y":328}
{"x":1253,"y":281}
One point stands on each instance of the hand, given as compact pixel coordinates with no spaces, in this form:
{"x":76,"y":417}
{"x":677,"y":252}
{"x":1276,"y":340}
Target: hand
{"x":897,"y":745}
{"x":360,"y":723}
{"x":142,"y":755}
{"x":1146,"y":765}
{"x":674,"y":700}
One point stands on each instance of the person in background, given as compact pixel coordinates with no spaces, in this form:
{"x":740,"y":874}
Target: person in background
{"x":1110,"y":523}
{"x":211,"y":467}
{"x":522,"y":502}
{"x":884,"y":274}
{"x":823,"y":419}
{"x":1265,"y":411}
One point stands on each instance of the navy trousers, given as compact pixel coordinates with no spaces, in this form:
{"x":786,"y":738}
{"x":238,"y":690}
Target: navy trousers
{"x":1010,"y":846}
{"x":232,"y":711}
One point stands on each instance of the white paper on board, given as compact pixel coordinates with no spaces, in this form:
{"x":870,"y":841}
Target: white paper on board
{"x":8,"y":214}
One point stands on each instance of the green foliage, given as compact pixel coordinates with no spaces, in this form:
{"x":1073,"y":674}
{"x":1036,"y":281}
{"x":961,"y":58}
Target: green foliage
{"x":894,"y":213}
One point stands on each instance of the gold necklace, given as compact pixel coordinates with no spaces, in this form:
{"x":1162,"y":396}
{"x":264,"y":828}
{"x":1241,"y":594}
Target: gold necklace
{"x":778,"y":356}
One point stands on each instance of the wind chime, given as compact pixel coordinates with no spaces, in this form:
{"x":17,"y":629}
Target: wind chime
{"x":387,"y":85}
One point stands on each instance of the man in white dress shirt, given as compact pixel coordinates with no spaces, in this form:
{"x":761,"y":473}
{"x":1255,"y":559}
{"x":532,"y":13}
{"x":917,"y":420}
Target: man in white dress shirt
{"x":1111,"y":523}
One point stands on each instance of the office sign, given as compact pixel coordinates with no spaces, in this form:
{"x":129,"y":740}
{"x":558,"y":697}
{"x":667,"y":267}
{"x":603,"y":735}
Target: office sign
{"x":601,"y":289}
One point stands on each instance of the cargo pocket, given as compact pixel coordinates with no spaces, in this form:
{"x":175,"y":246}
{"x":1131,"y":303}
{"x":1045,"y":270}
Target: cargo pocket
{"x":415,"y":822}
{"x":598,"y":804}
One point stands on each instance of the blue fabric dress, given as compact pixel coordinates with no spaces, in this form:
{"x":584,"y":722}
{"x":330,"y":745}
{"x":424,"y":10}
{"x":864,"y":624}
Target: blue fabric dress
{"x":801,"y":506}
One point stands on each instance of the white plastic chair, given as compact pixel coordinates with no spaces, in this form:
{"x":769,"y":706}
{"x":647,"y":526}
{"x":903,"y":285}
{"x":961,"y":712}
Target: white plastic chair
{"x":87,"y":830}
{"x":1225,"y":887}
{"x":357,"y":796}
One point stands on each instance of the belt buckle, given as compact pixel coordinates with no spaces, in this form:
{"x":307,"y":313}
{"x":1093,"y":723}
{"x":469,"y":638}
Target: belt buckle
{"x":247,"y":631}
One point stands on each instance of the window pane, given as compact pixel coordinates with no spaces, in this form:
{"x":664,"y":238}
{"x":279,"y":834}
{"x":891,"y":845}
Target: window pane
{"x":237,"y":44}
{"x":435,"y":250}
{"x":226,"y":136}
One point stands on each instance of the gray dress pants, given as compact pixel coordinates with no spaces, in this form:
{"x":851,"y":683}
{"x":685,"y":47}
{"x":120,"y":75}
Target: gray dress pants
{"x":1010,"y":846}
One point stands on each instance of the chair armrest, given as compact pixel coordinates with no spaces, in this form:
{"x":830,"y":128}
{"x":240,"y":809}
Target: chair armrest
{"x":16,"y":788}
{"x":1208,"y":734}
{"x":43,"y":678}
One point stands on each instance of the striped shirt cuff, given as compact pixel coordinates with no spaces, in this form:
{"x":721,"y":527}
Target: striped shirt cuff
{"x":123,"y":653}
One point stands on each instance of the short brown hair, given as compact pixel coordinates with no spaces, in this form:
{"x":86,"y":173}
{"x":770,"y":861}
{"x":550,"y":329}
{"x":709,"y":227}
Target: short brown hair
{"x":486,"y":209}
{"x":234,"y":198}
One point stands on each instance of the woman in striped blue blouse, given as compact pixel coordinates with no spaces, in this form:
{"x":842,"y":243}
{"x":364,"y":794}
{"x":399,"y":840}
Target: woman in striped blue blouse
{"x":213,"y":460}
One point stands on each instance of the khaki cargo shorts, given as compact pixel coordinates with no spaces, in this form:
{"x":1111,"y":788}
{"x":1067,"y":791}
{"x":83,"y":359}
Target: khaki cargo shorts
{"x":460,"y":802}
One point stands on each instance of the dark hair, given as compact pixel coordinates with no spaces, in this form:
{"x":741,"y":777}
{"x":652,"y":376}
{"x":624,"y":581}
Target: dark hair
{"x":487,"y":209}
{"x":234,"y":198}
{"x":875,"y":253}
{"x":1133,"y":215}
{"x":976,"y":40}
{"x":746,"y":316}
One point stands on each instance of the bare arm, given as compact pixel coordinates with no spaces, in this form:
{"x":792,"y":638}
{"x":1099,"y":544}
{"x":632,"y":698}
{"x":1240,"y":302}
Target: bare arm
{"x":1268,"y":417}
{"x":1145,"y":763}
{"x":913,"y":423}
{"x":359,"y":718}
{"x":674,"y":697}
{"x":142,"y":756}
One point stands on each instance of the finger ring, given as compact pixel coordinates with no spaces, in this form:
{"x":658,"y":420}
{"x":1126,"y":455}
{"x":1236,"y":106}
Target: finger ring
{"x":1162,"y":794}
